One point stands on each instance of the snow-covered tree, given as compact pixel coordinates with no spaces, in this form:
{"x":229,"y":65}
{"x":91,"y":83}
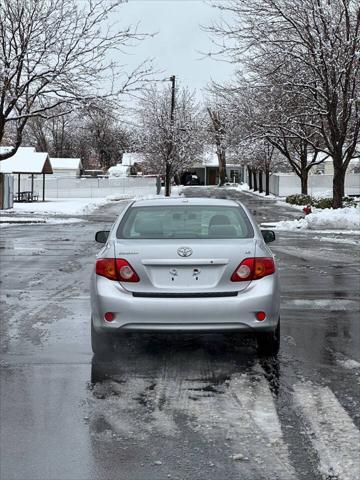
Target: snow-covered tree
{"x":56,"y":53}
{"x":93,"y":133}
{"x":218,"y":136}
{"x":165,"y":144}
{"x":311,"y":49}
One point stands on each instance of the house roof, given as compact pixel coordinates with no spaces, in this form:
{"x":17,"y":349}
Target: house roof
{"x":66,"y":163}
{"x":25,"y":160}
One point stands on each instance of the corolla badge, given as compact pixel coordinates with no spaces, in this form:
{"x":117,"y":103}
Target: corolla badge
{"x":184,"y":251}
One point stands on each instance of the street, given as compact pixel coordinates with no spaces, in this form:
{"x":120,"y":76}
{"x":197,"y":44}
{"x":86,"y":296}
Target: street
{"x":177,"y":406}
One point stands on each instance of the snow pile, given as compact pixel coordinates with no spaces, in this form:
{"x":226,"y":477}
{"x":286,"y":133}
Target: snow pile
{"x":69,"y":206}
{"x":240,"y":187}
{"x":119,"y":170}
{"x":327,"y":219}
{"x":61,"y":206}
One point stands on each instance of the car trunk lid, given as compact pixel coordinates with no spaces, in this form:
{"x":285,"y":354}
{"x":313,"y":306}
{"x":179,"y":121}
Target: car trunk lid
{"x":206,"y":267}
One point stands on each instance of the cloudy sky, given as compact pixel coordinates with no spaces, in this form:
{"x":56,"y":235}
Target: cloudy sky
{"x":179,"y":40}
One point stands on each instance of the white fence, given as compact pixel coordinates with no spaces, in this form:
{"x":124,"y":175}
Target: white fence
{"x":70,"y":187}
{"x":283,"y":185}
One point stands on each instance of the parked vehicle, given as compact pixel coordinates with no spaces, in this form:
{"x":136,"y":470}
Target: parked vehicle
{"x":188,"y":265}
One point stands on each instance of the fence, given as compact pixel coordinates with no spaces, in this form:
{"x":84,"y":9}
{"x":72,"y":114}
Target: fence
{"x":283,"y":185}
{"x":70,"y":187}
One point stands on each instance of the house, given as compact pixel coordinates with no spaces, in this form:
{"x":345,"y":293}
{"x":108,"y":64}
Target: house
{"x":66,"y":167}
{"x":207,"y":170}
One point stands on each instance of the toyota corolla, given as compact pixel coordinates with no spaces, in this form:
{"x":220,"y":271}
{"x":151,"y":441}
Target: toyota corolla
{"x":185,"y":265}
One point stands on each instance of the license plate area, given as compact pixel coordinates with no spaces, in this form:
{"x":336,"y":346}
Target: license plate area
{"x":191,"y":277}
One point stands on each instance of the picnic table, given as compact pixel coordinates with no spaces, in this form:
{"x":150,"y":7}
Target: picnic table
{"x":26,"y":196}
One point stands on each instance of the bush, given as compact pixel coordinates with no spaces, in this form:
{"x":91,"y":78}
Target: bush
{"x":299,"y":199}
{"x":317,"y":202}
{"x":349,"y":202}
{"x":322,"y":202}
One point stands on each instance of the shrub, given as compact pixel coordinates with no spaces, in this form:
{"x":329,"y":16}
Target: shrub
{"x":322,"y":202}
{"x":299,"y":199}
{"x":349,"y":202}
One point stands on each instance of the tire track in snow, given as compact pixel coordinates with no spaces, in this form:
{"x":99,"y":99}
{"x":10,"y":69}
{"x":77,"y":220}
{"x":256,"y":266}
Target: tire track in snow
{"x":225,"y":408}
{"x":239,"y":410}
{"x":331,"y":430}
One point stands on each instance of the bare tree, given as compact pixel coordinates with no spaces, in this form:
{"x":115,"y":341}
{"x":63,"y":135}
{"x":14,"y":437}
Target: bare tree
{"x":311,"y":49}
{"x":218,"y":132}
{"x":94,"y":131}
{"x":56,"y":53}
{"x":157,"y":132}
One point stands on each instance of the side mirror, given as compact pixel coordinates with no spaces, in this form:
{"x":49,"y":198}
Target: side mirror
{"x":102,"y":236}
{"x":268,"y":235}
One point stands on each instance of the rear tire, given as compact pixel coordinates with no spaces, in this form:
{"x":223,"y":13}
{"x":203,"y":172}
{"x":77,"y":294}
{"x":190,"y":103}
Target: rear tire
{"x":101,"y":343}
{"x":268,"y":344}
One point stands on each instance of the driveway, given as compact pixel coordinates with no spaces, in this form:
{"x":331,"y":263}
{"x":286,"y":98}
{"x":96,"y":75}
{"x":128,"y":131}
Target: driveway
{"x":173,"y":406}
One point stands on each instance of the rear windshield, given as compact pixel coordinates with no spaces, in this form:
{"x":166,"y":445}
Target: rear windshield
{"x":190,"y":221}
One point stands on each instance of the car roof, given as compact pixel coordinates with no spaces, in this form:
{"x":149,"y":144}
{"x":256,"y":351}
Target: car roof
{"x":162,"y":201}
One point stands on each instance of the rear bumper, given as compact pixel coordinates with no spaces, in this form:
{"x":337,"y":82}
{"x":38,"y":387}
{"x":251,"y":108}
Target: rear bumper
{"x":199,"y":314}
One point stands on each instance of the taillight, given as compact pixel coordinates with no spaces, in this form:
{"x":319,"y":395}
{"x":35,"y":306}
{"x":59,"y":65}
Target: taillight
{"x":125,"y":271}
{"x":106,"y":267}
{"x":253,"y":269}
{"x":116,"y":269}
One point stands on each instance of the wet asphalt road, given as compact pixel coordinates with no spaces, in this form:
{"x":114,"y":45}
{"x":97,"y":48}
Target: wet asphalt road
{"x":178,"y":407}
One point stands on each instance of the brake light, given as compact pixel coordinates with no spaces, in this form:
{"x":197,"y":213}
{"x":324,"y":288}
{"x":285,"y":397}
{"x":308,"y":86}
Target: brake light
{"x":116,"y":269}
{"x":125,"y":271}
{"x":106,"y":267}
{"x":253,"y":269}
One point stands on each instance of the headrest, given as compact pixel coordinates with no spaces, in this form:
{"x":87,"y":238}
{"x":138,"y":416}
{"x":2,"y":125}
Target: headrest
{"x":222,"y":231}
{"x":219,"y":220}
{"x":148,"y":226}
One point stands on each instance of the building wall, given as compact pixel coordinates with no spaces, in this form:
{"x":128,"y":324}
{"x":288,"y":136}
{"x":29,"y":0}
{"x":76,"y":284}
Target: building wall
{"x":62,"y":172}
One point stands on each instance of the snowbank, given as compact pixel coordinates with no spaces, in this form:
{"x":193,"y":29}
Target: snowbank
{"x":240,"y":187}
{"x":328,"y":219}
{"x":73,"y":206}
{"x":61,"y":206}
{"x":119,"y":170}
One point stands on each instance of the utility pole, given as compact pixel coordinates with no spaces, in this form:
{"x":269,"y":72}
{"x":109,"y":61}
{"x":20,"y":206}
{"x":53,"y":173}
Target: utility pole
{"x":171,"y":140}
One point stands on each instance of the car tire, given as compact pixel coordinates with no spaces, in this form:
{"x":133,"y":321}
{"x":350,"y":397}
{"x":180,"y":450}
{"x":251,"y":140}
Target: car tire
{"x":268,"y":344}
{"x":101,"y":343}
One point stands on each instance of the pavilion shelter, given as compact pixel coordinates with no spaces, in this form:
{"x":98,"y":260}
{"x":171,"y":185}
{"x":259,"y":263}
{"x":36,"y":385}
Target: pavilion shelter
{"x":27,"y":161}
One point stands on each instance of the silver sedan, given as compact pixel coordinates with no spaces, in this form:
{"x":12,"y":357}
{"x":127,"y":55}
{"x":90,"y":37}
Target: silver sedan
{"x":185,"y":265}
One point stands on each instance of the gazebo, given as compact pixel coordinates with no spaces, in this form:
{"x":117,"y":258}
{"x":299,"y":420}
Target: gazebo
{"x":27,"y":161}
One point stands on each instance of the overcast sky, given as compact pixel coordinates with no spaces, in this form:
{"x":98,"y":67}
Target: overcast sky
{"x":176,"y":46}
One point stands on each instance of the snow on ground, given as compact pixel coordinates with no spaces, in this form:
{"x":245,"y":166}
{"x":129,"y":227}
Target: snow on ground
{"x":349,"y":364}
{"x":59,"y":206}
{"x":340,"y":219}
{"x":351,"y":241}
{"x":240,"y":187}
{"x":23,"y":212}
{"x":332,"y":432}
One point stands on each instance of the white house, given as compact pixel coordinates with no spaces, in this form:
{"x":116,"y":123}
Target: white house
{"x":66,"y":167}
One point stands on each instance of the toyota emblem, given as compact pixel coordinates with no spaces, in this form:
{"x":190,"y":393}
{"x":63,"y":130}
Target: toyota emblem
{"x":184,"y":251}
